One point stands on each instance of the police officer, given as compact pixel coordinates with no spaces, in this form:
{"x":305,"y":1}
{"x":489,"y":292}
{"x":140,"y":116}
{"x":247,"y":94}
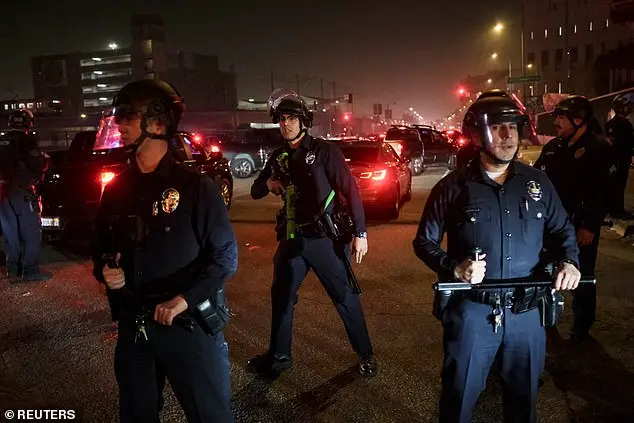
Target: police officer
{"x":164,"y":246}
{"x":620,"y":133}
{"x":578,"y":165}
{"x":314,"y":179}
{"x":503,"y":207}
{"x":22,"y":167}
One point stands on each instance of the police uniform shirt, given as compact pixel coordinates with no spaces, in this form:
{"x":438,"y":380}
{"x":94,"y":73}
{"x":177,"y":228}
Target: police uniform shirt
{"x":172,"y":230}
{"x":580,"y":174}
{"x":21,"y":153}
{"x":621,"y":132}
{"x":315,"y":167}
{"x":508,"y":222}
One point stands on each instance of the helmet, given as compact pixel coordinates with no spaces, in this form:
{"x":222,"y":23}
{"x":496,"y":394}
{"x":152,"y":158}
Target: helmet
{"x":488,"y":110}
{"x":623,"y":103}
{"x":21,"y":119}
{"x":284,"y":101}
{"x":147,"y":99}
{"x":575,"y":107}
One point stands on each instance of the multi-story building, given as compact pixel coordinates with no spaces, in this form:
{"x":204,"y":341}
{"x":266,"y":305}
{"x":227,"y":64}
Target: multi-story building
{"x":85,"y":83}
{"x":563,"y":39}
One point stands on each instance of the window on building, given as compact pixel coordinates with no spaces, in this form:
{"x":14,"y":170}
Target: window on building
{"x":106,"y":74}
{"x":545,"y":88}
{"x":591,"y":26}
{"x":589,"y":54}
{"x":546,"y":33}
{"x":532,"y":90}
{"x":559,"y":88}
{"x":604,"y":47}
{"x":574,"y":55}
{"x":149,"y":65}
{"x":532,"y":35}
{"x":101,"y":88}
{"x":94,"y":61}
{"x":545,"y":57}
{"x":561,"y":31}
{"x":559,"y":58}
{"x":21,"y":105}
{"x":607,"y":22}
{"x":6,"y":107}
{"x":146,"y":46}
{"x":29,"y":105}
{"x":574,"y":28}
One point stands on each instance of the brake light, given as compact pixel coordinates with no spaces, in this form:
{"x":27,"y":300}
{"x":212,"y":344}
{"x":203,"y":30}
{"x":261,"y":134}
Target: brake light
{"x":461,"y":141}
{"x":215,"y":149}
{"x":197,"y":138}
{"x":106,"y":177}
{"x":377,"y":175}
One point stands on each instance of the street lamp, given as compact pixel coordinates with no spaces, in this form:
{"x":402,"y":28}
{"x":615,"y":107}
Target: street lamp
{"x":489,"y":81}
{"x":529,"y":66}
{"x":498,"y":27}
{"x":494,"y":56}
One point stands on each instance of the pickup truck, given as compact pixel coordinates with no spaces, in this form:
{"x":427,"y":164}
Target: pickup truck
{"x":75,"y":181}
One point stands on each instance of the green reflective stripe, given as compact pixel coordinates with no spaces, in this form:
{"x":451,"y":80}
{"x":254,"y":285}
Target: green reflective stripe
{"x":328,"y":200}
{"x":290,"y":212}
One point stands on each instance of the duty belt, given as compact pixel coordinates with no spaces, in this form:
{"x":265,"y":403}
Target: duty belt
{"x":491,"y":297}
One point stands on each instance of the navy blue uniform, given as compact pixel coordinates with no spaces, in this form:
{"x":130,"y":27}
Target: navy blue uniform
{"x":621,"y":133}
{"x":172,"y":231}
{"x":23,"y":168}
{"x":508,"y":223}
{"x":315,"y":168}
{"x":580,"y":174}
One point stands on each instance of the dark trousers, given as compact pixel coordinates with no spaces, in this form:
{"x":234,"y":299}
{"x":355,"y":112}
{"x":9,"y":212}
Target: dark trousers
{"x":618,"y":185}
{"x":196,"y":365}
{"x":584,"y":297}
{"x":470,"y":348}
{"x":292,"y":261}
{"x":21,"y":230}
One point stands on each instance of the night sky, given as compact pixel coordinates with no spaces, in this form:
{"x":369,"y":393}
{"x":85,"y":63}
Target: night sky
{"x":406,"y":53}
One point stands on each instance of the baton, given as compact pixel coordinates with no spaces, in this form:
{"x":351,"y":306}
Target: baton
{"x":501,"y":283}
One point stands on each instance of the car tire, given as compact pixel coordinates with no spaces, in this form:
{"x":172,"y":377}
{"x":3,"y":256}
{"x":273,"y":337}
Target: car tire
{"x":451,"y":164}
{"x":224,"y":188}
{"x":417,"y":166}
{"x":408,"y":195}
{"x":393,"y":208}
{"x":242,"y":168}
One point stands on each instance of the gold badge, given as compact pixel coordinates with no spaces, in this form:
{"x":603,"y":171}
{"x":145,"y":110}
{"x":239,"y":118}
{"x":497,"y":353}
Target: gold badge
{"x":155,"y":209}
{"x":580,"y":152}
{"x":170,"y":200}
{"x":534,"y":190}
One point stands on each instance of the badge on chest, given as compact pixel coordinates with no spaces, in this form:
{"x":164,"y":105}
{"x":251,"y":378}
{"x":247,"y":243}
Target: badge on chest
{"x":534,"y":190}
{"x":310,"y":158}
{"x":169,"y":202}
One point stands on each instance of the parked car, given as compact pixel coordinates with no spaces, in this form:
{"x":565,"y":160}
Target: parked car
{"x":439,"y":151}
{"x":74,"y":183}
{"x":384,"y":179}
{"x":407,"y":143}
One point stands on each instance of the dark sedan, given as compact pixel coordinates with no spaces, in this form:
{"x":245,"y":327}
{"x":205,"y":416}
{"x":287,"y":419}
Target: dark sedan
{"x":385,"y":180}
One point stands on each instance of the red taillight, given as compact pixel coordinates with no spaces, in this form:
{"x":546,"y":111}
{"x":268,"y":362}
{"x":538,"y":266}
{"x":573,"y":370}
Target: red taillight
{"x":106,"y":177}
{"x":197,"y":138}
{"x":215,"y":149}
{"x":377,"y":175}
{"x":461,"y":141}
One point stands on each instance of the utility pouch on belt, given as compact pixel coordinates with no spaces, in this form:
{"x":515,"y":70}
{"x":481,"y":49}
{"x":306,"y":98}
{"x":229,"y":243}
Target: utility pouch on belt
{"x":551,"y":307}
{"x":526,"y":298}
{"x":441,"y":300}
{"x":213,"y":314}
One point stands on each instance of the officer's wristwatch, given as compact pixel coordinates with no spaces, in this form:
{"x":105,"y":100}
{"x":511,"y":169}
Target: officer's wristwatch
{"x":361,"y":235}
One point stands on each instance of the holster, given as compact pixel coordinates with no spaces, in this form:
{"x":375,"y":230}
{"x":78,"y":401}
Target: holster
{"x":441,"y":300}
{"x":213,"y":314}
{"x":551,"y":307}
{"x":525,"y":299}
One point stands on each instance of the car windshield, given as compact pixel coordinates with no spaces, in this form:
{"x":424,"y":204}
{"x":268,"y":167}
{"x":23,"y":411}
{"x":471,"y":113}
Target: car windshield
{"x":401,"y":134}
{"x":360,"y":154}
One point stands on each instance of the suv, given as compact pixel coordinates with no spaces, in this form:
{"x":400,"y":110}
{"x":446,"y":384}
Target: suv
{"x":248,"y":151}
{"x":407,"y":143}
{"x":439,"y":150}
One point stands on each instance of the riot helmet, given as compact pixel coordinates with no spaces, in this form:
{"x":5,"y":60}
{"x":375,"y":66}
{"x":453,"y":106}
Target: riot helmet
{"x":284,"y":101}
{"x":144,"y":99}
{"x":623,"y":104}
{"x":21,"y":119}
{"x":490,"y":110}
{"x":575,"y":107}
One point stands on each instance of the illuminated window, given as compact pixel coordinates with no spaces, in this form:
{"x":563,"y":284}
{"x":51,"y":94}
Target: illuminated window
{"x":6,"y":107}
{"x":545,"y":88}
{"x":546,"y":33}
{"x":21,"y":105}
{"x":531,"y":88}
{"x":591,"y":26}
{"x":561,"y":31}
{"x":532,"y":35}
{"x":575,"y":29}
{"x":126,"y":58}
{"x":607,"y":23}
{"x":29,"y":105}
{"x":559,"y":88}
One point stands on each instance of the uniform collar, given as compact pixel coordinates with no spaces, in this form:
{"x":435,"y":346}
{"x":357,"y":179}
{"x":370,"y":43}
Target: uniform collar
{"x":163,"y":168}
{"x":304,"y":144}
{"x":476,"y":173}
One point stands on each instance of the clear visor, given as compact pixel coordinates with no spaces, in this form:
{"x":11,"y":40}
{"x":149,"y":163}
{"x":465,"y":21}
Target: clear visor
{"x":108,"y":134}
{"x":279,"y":95}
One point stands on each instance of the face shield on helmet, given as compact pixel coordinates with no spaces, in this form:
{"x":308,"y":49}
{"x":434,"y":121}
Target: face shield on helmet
{"x":108,"y":135}
{"x":623,"y":103}
{"x":285,"y":101}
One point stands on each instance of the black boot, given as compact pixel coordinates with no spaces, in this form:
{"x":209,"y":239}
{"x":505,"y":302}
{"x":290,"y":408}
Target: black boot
{"x":36,"y":275}
{"x":269,"y":364}
{"x":368,"y":366}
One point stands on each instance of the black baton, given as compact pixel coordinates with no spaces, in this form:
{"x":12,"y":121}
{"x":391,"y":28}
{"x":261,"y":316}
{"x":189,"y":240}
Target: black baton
{"x":501,"y":283}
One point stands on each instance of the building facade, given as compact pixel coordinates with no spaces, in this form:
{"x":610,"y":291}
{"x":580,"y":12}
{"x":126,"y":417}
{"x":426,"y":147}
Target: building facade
{"x":85,"y":83}
{"x":564,"y":38}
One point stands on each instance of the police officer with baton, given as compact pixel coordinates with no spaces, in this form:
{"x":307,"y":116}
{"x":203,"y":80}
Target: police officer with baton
{"x":495,"y":212}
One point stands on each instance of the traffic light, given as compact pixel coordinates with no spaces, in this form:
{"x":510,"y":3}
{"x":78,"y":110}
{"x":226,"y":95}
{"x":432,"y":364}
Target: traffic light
{"x":461,"y":91}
